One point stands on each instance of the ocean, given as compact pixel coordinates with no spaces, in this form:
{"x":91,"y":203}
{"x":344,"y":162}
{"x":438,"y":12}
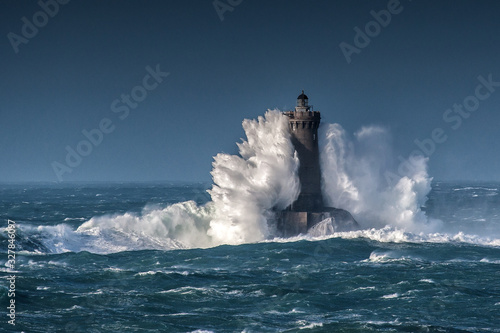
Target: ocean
{"x":123,"y":280}
{"x":196,"y":257}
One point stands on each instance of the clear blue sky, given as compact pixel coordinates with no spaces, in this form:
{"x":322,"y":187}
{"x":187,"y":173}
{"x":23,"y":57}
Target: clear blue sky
{"x":64,"y":78}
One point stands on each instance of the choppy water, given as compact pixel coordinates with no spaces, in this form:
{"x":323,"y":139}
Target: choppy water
{"x":176,"y":258}
{"x":121,"y":278}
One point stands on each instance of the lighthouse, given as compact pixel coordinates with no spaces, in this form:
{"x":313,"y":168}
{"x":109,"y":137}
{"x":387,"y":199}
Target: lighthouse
{"x":309,"y":210}
{"x":304,"y":124}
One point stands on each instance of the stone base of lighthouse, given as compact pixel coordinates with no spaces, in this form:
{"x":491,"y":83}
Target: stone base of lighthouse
{"x":292,"y":223}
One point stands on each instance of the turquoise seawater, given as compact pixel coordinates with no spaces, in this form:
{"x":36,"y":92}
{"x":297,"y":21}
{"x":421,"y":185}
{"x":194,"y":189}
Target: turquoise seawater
{"x":377,"y":280}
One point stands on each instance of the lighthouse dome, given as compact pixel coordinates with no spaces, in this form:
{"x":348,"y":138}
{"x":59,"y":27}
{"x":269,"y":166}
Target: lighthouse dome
{"x":302,"y":96}
{"x":302,"y":102}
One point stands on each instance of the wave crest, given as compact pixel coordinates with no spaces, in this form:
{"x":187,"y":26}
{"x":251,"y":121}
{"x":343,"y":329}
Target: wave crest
{"x":360,"y":175}
{"x":247,"y":187}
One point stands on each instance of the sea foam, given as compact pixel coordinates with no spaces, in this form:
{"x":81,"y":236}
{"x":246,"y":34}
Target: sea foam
{"x":246,"y":187}
{"x":361,"y":176}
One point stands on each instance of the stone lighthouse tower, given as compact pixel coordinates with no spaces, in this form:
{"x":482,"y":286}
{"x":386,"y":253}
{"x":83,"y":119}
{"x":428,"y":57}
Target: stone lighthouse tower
{"x":308,"y":210}
{"x":304,"y":125}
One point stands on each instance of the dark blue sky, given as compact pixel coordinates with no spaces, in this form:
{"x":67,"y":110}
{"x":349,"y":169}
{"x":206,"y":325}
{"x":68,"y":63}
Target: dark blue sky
{"x":64,"y":78}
